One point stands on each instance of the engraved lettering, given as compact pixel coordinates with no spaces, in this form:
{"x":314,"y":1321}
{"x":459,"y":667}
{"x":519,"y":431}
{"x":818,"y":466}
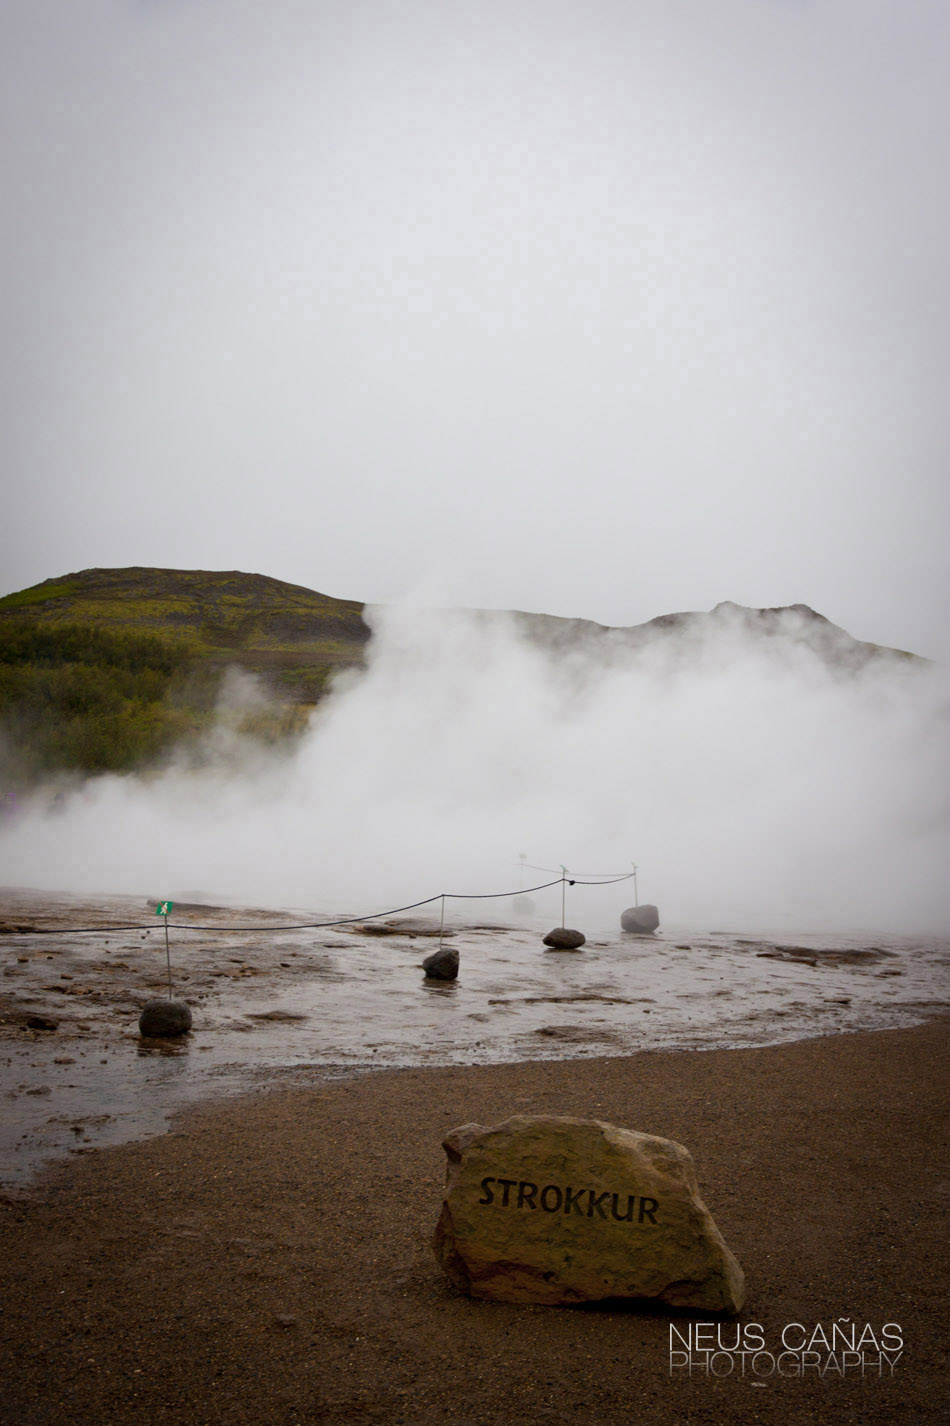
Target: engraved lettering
{"x":614,"y":1204}
{"x":572,"y":1199}
{"x":596,"y":1201}
{"x":548,"y":1189}
{"x":526,"y":1193}
{"x":584,"y":1202}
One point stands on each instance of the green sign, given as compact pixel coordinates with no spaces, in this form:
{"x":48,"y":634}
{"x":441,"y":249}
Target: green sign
{"x":164,"y":908}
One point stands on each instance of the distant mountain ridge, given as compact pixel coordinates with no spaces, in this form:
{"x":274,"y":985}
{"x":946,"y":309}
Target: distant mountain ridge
{"x":294,"y":637}
{"x":728,"y":625}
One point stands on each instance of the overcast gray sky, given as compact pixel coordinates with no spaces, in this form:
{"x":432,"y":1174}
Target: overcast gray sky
{"x":605,"y":308}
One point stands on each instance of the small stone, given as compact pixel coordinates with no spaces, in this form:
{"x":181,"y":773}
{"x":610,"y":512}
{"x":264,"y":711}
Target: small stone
{"x":640,"y":919}
{"x":41,"y":1022}
{"x":554,"y":1210}
{"x":562,"y":938}
{"x":164,"y":1018}
{"x":442,"y":964}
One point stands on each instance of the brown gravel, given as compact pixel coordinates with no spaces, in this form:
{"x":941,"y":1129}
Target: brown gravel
{"x":269,"y":1261}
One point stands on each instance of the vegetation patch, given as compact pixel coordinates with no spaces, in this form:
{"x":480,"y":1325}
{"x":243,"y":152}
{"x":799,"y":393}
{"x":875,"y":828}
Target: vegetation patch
{"x":107,"y":669}
{"x":87,"y":699}
{"x":39,"y":594}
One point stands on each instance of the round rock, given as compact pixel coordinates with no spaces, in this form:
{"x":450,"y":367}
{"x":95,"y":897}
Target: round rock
{"x":442,"y":964}
{"x":562,"y":938}
{"x":640,"y":919}
{"x":163,"y":1018}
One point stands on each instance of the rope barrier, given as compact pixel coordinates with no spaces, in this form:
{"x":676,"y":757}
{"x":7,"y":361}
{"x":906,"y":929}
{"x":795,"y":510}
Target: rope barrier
{"x":317,"y":925}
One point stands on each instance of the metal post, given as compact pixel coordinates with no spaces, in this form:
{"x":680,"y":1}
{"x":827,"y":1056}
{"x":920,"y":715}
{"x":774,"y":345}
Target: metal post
{"x":168,"y":956}
{"x":442,"y":922}
{"x":563,"y":894}
{"x":636,"y":901}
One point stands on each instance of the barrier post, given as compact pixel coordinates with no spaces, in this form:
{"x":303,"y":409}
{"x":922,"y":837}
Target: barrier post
{"x":162,"y":909}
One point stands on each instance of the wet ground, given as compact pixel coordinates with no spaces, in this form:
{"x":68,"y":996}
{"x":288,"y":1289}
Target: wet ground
{"x":273,"y":1004}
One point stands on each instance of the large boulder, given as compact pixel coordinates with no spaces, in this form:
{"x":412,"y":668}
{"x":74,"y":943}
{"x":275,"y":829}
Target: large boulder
{"x":562,"y":938}
{"x":163,"y":1019}
{"x":640,"y":919}
{"x":443,"y":964}
{"x":554,"y":1210}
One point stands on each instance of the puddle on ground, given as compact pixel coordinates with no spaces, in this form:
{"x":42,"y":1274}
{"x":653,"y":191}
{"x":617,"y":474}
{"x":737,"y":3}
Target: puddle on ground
{"x":279,"y":1006}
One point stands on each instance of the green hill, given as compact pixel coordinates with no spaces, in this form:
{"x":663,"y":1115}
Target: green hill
{"x":105,"y":669}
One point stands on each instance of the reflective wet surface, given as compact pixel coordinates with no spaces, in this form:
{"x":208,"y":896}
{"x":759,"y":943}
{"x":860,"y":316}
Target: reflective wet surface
{"x":277,"y":1006}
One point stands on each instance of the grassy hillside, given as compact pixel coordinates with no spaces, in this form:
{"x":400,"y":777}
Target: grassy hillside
{"x":104,"y":670}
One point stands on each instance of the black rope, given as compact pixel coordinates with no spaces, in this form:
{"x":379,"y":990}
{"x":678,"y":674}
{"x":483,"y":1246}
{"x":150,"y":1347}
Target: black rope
{"x":606,"y":879}
{"x":317,"y":925}
{"x":373,"y":916}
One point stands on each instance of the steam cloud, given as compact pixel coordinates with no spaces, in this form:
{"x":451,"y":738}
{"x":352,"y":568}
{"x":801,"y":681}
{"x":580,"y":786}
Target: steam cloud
{"x":752,"y":782}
